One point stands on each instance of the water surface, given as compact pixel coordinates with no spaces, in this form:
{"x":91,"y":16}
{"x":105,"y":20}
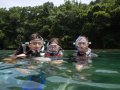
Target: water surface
{"x":26,"y":74}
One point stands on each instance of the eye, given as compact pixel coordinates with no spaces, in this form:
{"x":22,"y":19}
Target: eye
{"x":35,"y":43}
{"x":81,"y":43}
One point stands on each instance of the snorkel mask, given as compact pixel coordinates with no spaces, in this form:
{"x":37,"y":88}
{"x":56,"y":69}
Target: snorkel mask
{"x":81,"y":40}
{"x":53,"y":47}
{"x":36,"y":38}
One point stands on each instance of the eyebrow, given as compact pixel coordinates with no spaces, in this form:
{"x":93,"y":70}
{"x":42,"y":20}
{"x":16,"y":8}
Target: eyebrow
{"x":82,"y":42}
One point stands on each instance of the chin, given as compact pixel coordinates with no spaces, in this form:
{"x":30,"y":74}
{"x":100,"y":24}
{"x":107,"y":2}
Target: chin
{"x":82,"y":49}
{"x":37,"y":49}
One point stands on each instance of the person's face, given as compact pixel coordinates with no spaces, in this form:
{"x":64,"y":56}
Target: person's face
{"x":36,"y":44}
{"x":53,"y":47}
{"x":82,"y":45}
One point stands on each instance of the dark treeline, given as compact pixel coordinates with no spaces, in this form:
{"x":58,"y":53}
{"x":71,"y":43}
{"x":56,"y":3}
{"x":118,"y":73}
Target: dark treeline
{"x":99,"y":21}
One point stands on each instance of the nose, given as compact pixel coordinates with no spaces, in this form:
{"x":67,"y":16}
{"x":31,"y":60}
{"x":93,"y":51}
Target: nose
{"x":38,"y":45}
{"x":81,"y":46}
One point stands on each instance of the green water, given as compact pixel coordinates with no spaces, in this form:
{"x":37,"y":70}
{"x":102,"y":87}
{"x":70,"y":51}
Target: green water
{"x":102,"y":74}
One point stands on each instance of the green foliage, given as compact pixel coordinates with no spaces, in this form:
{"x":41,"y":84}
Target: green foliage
{"x":101,"y":18}
{"x":99,"y":21}
{"x":2,"y":35}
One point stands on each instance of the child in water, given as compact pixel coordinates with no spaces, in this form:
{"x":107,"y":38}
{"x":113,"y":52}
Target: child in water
{"x":33,"y":49}
{"x":84,"y":54}
{"x":54,"y":49}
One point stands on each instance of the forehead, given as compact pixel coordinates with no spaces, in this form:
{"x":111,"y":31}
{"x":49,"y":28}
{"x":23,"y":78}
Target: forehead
{"x":36,"y":40}
{"x":82,"y":39}
{"x":53,"y":45}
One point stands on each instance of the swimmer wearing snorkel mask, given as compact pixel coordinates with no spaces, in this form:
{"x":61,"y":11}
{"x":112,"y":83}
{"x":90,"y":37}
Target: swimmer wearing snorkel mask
{"x":33,"y":49}
{"x":84,"y":54}
{"x":54,"y":49}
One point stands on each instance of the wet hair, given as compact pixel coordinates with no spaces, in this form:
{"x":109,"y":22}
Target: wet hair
{"x":56,"y":40}
{"x":35,"y":36}
{"x":81,"y":38}
{"x":84,"y":37}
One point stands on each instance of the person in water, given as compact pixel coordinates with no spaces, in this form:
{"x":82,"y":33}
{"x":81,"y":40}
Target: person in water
{"x":53,"y":48}
{"x":84,"y":55}
{"x":34,"y":48}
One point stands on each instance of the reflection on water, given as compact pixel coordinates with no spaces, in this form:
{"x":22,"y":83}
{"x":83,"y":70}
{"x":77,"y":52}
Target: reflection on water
{"x":26,"y":74}
{"x":57,"y":79}
{"x":106,"y":71}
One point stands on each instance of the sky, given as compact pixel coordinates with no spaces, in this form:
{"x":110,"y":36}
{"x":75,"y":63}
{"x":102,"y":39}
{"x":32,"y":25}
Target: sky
{"x":22,"y":3}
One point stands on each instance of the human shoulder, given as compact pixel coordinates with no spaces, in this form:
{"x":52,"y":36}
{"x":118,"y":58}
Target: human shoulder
{"x":91,"y":54}
{"x":94,"y":55}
